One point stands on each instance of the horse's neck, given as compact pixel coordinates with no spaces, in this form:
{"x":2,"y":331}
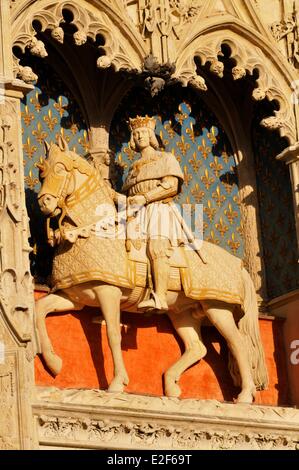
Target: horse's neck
{"x":90,"y":192}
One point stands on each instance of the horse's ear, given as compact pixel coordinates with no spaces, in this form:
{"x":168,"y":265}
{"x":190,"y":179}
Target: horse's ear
{"x":62,"y":143}
{"x":47,"y":147}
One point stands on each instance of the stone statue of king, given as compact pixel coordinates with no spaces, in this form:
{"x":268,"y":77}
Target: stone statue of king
{"x":153,"y":218}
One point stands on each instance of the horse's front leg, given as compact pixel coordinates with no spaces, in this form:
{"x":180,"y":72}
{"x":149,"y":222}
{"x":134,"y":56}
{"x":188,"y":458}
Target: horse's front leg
{"x":109,"y":300}
{"x":50,"y":304}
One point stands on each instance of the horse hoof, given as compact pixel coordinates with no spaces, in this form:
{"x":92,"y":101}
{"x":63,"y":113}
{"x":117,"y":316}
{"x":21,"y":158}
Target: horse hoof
{"x":118,"y":385}
{"x":247,"y":396}
{"x":172,"y":390}
{"x":54,"y":363}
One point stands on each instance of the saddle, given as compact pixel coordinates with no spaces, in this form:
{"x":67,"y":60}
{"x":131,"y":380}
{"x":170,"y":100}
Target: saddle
{"x":138,"y":258}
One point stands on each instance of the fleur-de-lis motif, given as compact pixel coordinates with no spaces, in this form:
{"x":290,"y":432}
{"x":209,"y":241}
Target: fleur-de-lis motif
{"x":227,"y":184}
{"x":219,"y":198}
{"x":231,"y":214}
{"x":169,"y":129}
{"x":27,"y":116}
{"x":39,"y":134}
{"x":29,"y":149}
{"x":207,"y":180}
{"x":225,"y":156}
{"x":63,"y":134}
{"x":120,"y":161}
{"x":190,"y":132}
{"x":216,"y":166}
{"x":237,"y":200}
{"x":39,"y":162}
{"x":194,"y":162}
{"x":204,"y":149}
{"x":31,"y":180}
{"x":233,"y":244}
{"x":187,"y":176}
{"x":131,"y":154}
{"x":163,"y":139}
{"x":178,"y":157}
{"x":210,"y":211}
{"x":205,"y":226}
{"x":241,"y":230}
{"x":74,"y":128}
{"x":183,"y":146}
{"x":221,"y":227}
{"x":181,"y":116}
{"x":212,"y":239}
{"x":50,"y":120}
{"x":59,"y":106}
{"x":197,"y":193}
{"x":212,"y":135}
{"x":35,"y":101}
{"x":83,"y":141}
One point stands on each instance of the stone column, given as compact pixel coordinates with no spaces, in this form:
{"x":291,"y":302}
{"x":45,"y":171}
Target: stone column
{"x":288,"y":305}
{"x":17,"y":342}
{"x":291,"y":157}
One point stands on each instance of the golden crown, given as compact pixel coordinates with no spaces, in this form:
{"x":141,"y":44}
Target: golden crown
{"x":142,"y":121}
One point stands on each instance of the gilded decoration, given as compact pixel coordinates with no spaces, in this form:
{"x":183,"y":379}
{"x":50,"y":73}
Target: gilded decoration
{"x":195,"y":137}
{"x":47,"y":111}
{"x":64,"y":176}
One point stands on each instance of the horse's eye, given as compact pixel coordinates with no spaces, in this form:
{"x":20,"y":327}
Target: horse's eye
{"x":60,"y":169}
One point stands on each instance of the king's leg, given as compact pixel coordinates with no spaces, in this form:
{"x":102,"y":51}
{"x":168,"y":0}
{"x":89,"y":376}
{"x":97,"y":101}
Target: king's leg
{"x":158,"y":250}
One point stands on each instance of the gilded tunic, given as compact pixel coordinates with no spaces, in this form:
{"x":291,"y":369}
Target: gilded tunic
{"x":153,"y":178}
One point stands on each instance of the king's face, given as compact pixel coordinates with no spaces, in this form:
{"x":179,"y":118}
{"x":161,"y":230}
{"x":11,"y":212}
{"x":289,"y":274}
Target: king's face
{"x":141,"y":137}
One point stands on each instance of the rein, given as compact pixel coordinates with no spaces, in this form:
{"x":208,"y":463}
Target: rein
{"x":65,"y":203}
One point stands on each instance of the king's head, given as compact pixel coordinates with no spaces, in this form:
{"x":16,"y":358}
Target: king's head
{"x":142,"y":121}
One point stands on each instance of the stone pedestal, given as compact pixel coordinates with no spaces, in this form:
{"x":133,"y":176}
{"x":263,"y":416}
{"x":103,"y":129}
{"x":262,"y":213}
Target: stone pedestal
{"x":93,"y":419}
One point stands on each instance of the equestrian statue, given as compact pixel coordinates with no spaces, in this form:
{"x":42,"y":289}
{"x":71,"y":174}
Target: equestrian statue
{"x":134,"y":252}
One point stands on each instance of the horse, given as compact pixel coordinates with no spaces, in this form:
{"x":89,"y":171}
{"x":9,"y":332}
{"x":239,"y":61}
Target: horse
{"x":91,"y":268}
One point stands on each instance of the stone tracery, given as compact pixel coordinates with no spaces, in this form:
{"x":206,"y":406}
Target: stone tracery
{"x":213,"y":24}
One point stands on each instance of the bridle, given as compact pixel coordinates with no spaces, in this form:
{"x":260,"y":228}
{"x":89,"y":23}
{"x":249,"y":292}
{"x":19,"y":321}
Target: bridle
{"x":58,"y":185}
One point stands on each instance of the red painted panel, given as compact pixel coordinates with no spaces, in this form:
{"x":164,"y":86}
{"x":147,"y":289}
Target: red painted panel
{"x":150,"y":346}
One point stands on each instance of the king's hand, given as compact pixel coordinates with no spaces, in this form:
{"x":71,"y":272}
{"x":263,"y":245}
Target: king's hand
{"x":135,"y":203}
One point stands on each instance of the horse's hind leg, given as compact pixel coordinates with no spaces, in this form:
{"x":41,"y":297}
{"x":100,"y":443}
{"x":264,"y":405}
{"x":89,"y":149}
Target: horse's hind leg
{"x":188,"y":329}
{"x":109,"y":301}
{"x":223,"y":320}
{"x":50,"y":304}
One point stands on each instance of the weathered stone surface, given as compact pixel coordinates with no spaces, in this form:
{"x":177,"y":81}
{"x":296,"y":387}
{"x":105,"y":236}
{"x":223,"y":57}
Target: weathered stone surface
{"x":96,"y":419}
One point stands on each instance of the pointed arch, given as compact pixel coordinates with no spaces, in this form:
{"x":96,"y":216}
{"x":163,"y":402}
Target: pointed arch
{"x":251,"y":51}
{"x":123,"y":49}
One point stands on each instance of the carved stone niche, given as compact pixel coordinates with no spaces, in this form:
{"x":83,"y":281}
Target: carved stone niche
{"x":94,"y":419}
{"x":117,"y":50}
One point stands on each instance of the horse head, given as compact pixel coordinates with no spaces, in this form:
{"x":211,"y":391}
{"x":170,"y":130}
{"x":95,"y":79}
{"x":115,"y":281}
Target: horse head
{"x":61,"y":172}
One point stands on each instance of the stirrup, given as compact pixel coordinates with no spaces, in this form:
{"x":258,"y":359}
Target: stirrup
{"x":154,"y":303}
{"x":149,"y":304}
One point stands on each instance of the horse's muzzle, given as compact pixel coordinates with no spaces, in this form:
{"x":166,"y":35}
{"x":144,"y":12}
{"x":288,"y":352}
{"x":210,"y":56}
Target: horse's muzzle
{"x":48,"y":205}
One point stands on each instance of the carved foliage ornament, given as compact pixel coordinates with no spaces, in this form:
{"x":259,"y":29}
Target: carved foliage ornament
{"x":248,"y":58}
{"x":15,"y":279}
{"x":108,"y":432}
{"x":88,"y":26}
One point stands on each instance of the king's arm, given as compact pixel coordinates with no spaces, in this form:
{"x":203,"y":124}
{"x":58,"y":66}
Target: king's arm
{"x":166,"y":188}
{"x":119,"y":199}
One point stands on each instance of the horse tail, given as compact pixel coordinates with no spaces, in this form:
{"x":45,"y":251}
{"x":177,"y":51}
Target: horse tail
{"x":249,"y":329}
